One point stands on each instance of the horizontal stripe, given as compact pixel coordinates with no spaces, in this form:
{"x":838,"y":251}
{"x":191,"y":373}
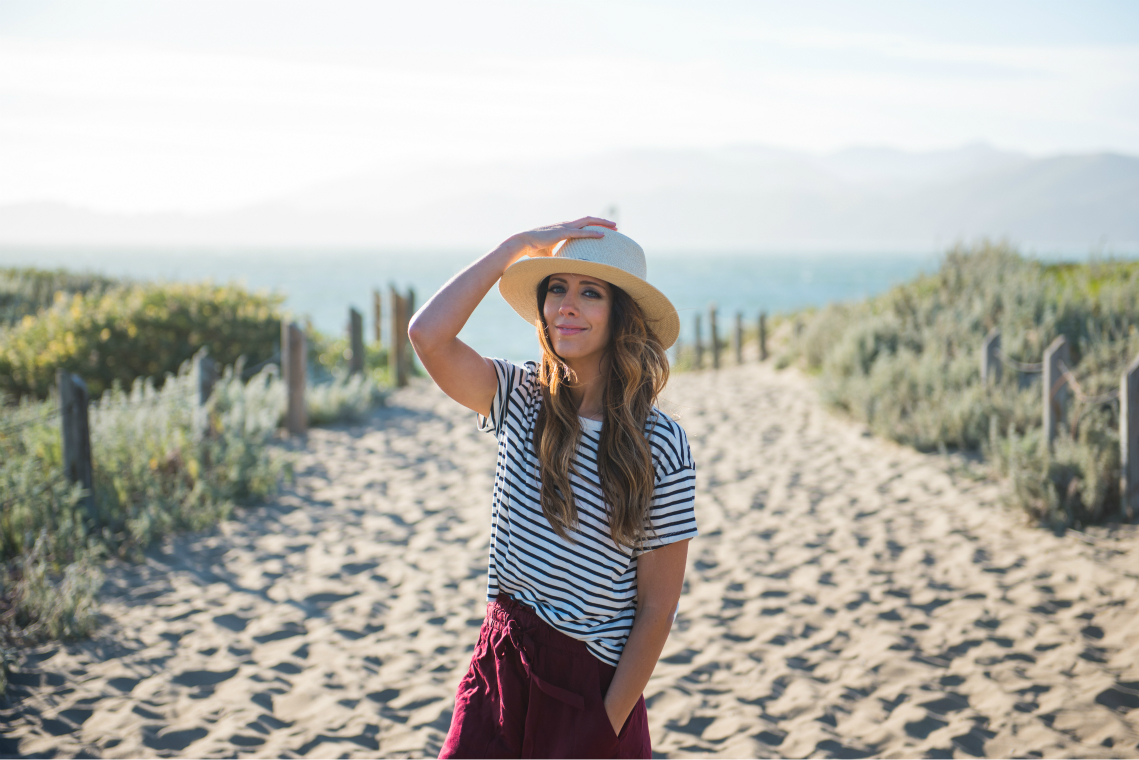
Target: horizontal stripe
{"x":585,"y":587}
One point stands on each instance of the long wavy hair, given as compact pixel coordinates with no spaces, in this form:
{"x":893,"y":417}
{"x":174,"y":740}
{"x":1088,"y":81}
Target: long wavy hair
{"x":636,"y":370}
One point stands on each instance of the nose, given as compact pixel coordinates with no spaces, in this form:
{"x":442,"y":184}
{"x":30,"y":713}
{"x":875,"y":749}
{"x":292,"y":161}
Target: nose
{"x":568,"y":306}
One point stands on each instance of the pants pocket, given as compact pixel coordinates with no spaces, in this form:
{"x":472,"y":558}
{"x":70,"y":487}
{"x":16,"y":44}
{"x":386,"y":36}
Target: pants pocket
{"x":632,"y":741}
{"x":603,"y":740}
{"x":556,"y":728}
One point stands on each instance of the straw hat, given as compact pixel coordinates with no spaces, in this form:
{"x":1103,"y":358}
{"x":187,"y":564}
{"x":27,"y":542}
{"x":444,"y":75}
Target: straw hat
{"x":614,"y":258}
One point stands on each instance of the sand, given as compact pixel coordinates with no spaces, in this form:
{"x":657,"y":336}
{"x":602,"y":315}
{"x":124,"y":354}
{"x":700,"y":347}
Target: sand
{"x":847,"y":597}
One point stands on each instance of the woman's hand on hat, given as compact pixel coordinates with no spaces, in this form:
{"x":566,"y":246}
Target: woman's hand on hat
{"x":541,"y":241}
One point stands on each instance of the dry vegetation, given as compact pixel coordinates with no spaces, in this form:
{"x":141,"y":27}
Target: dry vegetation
{"x":907,"y":363}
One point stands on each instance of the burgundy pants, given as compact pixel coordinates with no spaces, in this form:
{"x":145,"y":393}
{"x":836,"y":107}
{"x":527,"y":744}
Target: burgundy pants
{"x":532,"y":691}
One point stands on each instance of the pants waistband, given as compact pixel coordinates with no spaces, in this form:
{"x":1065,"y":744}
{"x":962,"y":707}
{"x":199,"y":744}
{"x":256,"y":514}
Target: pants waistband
{"x":506,"y":609}
{"x":509,"y":620}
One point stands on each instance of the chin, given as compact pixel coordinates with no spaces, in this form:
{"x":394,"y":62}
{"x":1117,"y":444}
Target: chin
{"x":572,"y":352}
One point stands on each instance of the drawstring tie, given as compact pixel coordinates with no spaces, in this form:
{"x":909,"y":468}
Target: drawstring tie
{"x":520,"y":639}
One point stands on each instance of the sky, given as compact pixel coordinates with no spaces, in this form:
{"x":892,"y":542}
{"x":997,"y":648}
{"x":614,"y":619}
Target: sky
{"x":204,"y":105}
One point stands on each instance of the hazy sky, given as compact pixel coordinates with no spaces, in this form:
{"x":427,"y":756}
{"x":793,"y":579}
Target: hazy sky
{"x":204,"y":104}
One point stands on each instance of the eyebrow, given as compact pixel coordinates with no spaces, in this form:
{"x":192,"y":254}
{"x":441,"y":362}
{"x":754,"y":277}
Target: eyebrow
{"x":559,"y":278}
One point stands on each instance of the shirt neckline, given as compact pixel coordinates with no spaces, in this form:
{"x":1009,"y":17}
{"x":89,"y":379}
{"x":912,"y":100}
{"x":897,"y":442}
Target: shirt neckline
{"x":588,"y":424}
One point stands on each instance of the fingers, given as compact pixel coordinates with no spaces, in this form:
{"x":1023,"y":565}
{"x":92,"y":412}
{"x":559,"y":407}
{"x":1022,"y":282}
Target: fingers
{"x":583,"y":234}
{"x":542,"y":241}
{"x":594,"y":221}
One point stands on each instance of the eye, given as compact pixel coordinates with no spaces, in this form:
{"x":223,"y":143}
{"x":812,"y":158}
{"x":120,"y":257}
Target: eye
{"x":591,"y":293}
{"x":558,"y":288}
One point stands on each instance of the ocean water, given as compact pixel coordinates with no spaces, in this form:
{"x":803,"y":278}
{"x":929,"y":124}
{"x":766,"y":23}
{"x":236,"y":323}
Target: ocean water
{"x":323,"y":284}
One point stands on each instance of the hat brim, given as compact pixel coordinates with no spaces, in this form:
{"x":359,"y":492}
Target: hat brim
{"x":519,"y":286}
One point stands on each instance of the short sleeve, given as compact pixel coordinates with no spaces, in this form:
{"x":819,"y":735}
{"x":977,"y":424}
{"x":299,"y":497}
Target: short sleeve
{"x":512,"y":380}
{"x":672,"y":512}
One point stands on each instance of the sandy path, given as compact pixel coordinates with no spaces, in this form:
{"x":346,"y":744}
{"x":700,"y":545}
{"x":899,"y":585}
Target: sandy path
{"x":847,"y":597}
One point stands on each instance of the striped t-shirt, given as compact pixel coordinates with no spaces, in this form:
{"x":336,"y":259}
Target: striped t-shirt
{"x":586,"y":589}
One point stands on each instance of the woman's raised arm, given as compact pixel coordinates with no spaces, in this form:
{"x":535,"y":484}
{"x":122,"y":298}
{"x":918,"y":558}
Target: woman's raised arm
{"x":459,"y":370}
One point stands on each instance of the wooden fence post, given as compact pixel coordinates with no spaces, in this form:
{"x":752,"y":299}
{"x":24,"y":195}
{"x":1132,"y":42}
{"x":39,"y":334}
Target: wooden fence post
{"x":1129,"y":440}
{"x":356,"y":341}
{"x":738,"y":338}
{"x":715,"y":336}
{"x":205,"y":377}
{"x":294,"y":356}
{"x":990,"y":362}
{"x":396,"y":351}
{"x":393,"y":345}
{"x":1054,"y":394}
{"x":699,"y":345}
{"x":377,"y":315}
{"x":763,"y":336}
{"x":73,"y":400}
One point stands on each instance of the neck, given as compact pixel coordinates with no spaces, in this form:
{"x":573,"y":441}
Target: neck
{"x":589,"y":389}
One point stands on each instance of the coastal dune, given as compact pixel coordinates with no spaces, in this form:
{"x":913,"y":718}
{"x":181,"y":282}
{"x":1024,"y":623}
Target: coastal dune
{"x":846,"y":597}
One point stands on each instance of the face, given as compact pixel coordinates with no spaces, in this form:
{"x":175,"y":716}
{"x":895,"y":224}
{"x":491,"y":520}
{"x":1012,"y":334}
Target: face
{"x":577,"y":316}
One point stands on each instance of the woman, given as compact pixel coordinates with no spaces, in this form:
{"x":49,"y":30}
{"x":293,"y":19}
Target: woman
{"x":593,"y":498}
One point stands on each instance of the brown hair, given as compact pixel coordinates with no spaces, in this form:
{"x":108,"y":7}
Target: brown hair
{"x":636,"y":370}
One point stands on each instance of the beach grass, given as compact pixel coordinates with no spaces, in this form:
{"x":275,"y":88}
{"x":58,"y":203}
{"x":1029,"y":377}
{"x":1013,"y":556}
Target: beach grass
{"x":155,"y":473}
{"x":907,"y":363}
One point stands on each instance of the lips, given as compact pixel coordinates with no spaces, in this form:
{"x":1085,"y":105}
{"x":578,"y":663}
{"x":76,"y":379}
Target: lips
{"x":568,"y":330}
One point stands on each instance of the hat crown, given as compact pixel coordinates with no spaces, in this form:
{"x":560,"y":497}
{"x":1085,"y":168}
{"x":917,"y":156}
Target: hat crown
{"x":614,"y":258}
{"x":614,"y":250}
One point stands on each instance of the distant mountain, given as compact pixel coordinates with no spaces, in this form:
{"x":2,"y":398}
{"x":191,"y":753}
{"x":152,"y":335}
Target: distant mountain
{"x":747,"y":197}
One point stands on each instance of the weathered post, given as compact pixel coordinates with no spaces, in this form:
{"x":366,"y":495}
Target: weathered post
{"x":377,"y":315}
{"x":738,"y":338}
{"x":699,"y":345}
{"x":715,"y":336}
{"x":293,"y":365}
{"x":396,"y":362}
{"x":1129,"y":440}
{"x":205,"y":377}
{"x":393,"y":343}
{"x":763,"y":336}
{"x":1055,"y":394}
{"x":355,"y":341}
{"x":73,"y":400}
{"x":990,"y":361}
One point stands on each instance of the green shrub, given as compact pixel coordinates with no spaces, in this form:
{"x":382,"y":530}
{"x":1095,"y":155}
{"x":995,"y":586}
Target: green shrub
{"x":27,"y":291}
{"x":135,"y":331}
{"x":908,"y":364}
